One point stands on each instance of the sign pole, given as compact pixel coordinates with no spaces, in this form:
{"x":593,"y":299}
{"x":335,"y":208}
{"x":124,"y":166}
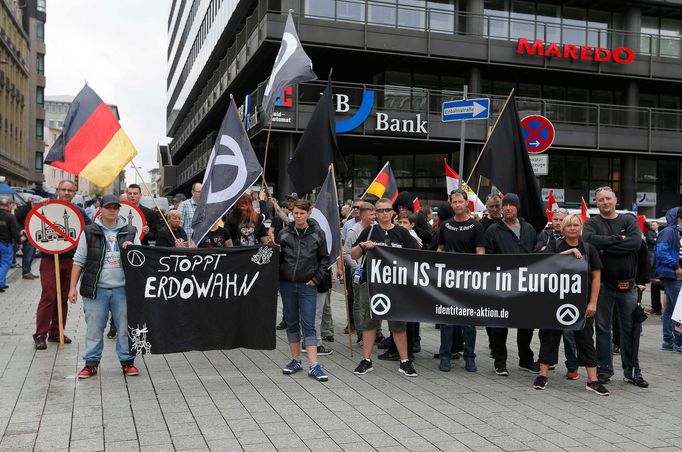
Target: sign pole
{"x":462,"y":133}
{"x":60,"y":314}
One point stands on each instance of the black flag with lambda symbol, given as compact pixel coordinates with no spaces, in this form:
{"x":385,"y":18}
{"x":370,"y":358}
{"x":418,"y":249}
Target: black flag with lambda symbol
{"x":326,"y":213}
{"x":232,"y":168}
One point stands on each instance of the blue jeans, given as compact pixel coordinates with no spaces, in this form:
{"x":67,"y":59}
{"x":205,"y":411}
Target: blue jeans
{"x":570,"y":351}
{"x":6,"y":255}
{"x":27,"y":259}
{"x":626,"y":301}
{"x":96,"y":317}
{"x":299,"y":303}
{"x":447,"y":336}
{"x":672,"y":290}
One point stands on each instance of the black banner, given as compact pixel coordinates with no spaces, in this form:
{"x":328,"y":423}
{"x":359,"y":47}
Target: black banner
{"x":183,"y":299}
{"x":518,"y":291}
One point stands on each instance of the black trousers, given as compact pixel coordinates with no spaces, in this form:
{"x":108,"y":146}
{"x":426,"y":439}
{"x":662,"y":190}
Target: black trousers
{"x":584,"y":344}
{"x":498,"y":342}
{"x":656,"y":289}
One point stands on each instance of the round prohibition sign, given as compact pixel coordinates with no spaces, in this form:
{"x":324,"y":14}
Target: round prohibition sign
{"x":132,"y":214}
{"x":567,"y":314}
{"x":55,"y":227}
{"x":538,"y":132}
{"x":380,"y":304}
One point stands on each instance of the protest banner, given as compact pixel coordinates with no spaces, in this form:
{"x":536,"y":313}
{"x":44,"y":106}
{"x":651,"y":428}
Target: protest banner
{"x":547,"y":291}
{"x":182,"y":299}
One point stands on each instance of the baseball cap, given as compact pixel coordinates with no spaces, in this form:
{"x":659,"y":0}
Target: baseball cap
{"x":179,"y":197}
{"x":293,"y":196}
{"x":110,"y":199}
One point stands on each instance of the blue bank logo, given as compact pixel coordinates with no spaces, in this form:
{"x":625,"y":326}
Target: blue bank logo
{"x":360,"y":116}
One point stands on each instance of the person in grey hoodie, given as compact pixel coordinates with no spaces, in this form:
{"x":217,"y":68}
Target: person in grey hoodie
{"x":98,"y":261}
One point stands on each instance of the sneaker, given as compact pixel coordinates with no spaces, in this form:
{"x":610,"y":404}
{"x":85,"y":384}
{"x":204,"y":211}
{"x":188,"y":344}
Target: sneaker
{"x":502,"y":371}
{"x":112,"y":333}
{"x":677,"y":349}
{"x":87,"y":372}
{"x":293,"y":367}
{"x":597,"y":388}
{"x":616,"y":349}
{"x":28,"y":276}
{"x":540,"y":382}
{"x":444,"y":365}
{"x":384,"y":343}
{"x":533,"y":368}
{"x":67,"y":339}
{"x":317,"y":373}
{"x":323,"y":351}
{"x":281,"y":325}
{"x":470,"y":365}
{"x":389,"y":356}
{"x":667,"y":346}
{"x":637,"y":381}
{"x":130,"y":370}
{"x":39,"y":343}
{"x":407,"y":369}
{"x":328,"y":338}
{"x":364,"y":367}
{"x":572,"y":374}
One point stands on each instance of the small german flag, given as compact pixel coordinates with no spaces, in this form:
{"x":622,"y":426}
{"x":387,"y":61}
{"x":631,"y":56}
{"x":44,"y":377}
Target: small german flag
{"x":92,"y":144}
{"x":384,"y":185}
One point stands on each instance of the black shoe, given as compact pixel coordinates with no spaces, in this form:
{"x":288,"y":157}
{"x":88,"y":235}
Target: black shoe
{"x":540,"y":382}
{"x":384,"y":343}
{"x":637,"y":381}
{"x":328,"y":338}
{"x":67,"y":339}
{"x":533,"y":368}
{"x":39,"y":343}
{"x":597,"y":388}
{"x":364,"y":367}
{"x":502,"y":371}
{"x":112,"y":333}
{"x":281,"y":325}
{"x":389,"y":356}
{"x":323,"y":351}
{"x":407,"y":369}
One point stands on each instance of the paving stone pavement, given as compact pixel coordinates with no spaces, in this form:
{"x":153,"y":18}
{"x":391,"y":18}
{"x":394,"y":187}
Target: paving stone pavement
{"x":239,"y":399}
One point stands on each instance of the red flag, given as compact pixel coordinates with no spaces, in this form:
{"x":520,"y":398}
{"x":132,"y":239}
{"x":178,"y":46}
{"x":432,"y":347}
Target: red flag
{"x":551,"y":206}
{"x":416,"y":205}
{"x":451,"y":178}
{"x":583,"y":210}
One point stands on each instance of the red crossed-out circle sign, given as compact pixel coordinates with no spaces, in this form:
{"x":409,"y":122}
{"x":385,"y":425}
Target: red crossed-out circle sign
{"x":538,"y":132}
{"x":55,"y":227}
{"x":132,"y":214}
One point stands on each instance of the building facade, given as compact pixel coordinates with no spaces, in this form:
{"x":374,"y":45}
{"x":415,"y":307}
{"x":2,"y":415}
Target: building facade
{"x":56,"y":108}
{"x":607,"y":75}
{"x":33,"y":22}
{"x":14,"y":87}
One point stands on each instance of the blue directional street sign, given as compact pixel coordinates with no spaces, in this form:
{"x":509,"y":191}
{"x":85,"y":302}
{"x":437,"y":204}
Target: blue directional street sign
{"x":462,"y":110}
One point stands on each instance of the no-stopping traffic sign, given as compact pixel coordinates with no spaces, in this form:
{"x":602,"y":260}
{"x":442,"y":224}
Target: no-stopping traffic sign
{"x":538,"y":132}
{"x":54,"y":228}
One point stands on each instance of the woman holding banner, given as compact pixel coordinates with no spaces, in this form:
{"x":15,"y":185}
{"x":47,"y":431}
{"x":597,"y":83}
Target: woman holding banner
{"x":175,"y":236}
{"x":303,"y":264}
{"x":572,"y":244}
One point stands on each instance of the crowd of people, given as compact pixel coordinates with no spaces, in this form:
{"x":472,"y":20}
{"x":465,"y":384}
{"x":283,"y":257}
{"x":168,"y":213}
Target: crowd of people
{"x":621,"y":261}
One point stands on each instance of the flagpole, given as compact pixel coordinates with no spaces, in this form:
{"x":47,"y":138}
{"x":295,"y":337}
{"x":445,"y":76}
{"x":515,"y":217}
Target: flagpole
{"x":489,"y":135}
{"x":265,"y":158}
{"x":149,"y":192}
{"x":60,"y":314}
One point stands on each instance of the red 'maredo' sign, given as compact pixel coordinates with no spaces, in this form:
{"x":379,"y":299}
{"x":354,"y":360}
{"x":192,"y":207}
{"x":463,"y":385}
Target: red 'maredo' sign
{"x":620,"y":55}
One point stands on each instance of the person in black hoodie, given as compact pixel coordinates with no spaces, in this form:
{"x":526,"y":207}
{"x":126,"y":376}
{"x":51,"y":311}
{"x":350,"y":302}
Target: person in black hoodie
{"x":405,"y":201}
{"x":303,"y":266}
{"x":511,"y":236}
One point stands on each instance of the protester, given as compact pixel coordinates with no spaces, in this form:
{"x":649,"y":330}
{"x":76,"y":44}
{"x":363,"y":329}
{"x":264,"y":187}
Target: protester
{"x":353,"y":220}
{"x":407,"y":219}
{"x":656,"y":284}
{"x":405,"y":202}
{"x":493,"y":212}
{"x":47,"y":318}
{"x":178,"y":199}
{"x":669,"y":272}
{"x":102,"y":286}
{"x":513,"y":235}
{"x":9,"y":237}
{"x":283,"y":215}
{"x":245,"y":225}
{"x":571,"y":244}
{"x":216,"y":237}
{"x":428,"y":214}
{"x":134,"y":193}
{"x":188,"y":207}
{"x":464,"y":235}
{"x":344,"y":213}
{"x":617,"y":238}
{"x":92,"y":209}
{"x":385,"y":233}
{"x":178,"y":236}
{"x":27,"y":249}
{"x":303,"y":263}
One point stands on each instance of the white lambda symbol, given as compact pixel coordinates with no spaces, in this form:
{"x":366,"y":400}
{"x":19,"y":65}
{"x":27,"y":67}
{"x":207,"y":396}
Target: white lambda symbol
{"x":380,"y":304}
{"x":567,"y":314}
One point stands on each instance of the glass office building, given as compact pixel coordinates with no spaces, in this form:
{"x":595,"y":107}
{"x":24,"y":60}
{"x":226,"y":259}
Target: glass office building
{"x":618,"y":120}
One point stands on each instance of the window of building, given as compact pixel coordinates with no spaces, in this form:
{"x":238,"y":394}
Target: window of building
{"x":412,"y":14}
{"x":40,"y":64}
{"x":382,"y":12}
{"x":40,"y":31}
{"x":41,"y":5}
{"x":39,"y":129}
{"x":39,"y":161}
{"x":40,"y":96}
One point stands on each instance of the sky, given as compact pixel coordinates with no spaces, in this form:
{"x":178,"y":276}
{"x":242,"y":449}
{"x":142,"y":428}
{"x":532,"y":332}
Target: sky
{"x":119,"y":48}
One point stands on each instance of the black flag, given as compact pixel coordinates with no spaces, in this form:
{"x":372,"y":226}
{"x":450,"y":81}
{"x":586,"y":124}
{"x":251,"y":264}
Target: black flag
{"x":326,"y":213}
{"x":504,"y":160}
{"x":317,"y":148}
{"x":232,"y":168}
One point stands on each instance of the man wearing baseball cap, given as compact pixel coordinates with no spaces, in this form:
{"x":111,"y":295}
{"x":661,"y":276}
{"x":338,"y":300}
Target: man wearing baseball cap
{"x":98,"y":261}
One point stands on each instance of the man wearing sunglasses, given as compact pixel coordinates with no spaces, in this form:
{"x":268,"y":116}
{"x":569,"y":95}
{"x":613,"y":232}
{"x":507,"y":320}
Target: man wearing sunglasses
{"x":384,"y":233}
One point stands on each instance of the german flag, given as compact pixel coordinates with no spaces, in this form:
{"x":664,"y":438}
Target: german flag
{"x":92,"y":144}
{"x":384,"y":185}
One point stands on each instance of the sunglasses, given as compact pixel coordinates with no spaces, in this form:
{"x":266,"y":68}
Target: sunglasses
{"x":386,"y":210}
{"x":356,"y":207}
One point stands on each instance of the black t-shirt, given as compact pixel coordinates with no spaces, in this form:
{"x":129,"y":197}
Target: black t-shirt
{"x":247,"y":233}
{"x":397,"y":237}
{"x":588,"y":251}
{"x":462,"y":236}
{"x":215,"y":239}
